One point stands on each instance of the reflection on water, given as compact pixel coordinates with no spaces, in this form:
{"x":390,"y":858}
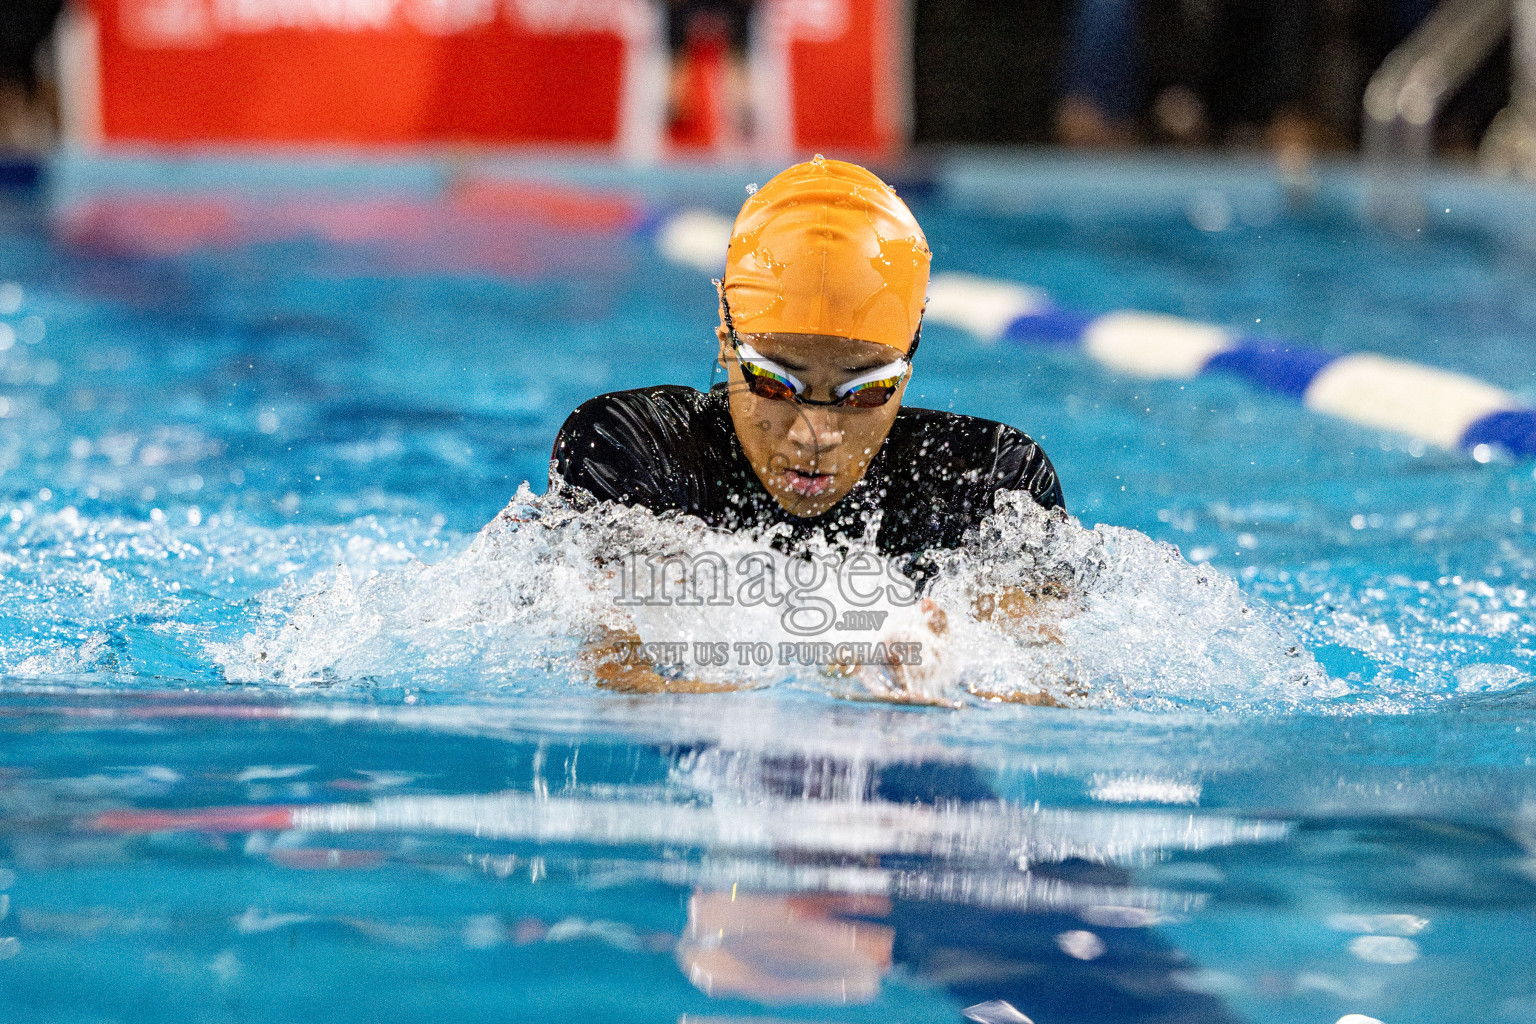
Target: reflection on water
{"x":682,"y":859}
{"x":783,"y":949}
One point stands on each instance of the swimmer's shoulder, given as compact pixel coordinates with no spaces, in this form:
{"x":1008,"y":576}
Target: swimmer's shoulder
{"x":664,"y":405}
{"x":637,"y":446}
{"x":998,"y":456}
{"x":656,"y":420}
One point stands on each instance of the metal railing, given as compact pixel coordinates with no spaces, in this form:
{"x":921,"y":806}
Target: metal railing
{"x":1412,"y":86}
{"x":1509,"y":147}
{"x":1408,"y":93}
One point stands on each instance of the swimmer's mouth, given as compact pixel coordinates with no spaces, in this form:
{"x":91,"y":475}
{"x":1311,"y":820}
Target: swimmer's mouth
{"x":807,"y":485}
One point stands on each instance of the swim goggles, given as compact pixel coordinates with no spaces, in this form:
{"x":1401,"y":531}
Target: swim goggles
{"x":767,"y":379}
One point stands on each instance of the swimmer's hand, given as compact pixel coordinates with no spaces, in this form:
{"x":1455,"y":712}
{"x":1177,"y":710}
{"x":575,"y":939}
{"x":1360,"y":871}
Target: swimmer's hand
{"x":1031,"y":617}
{"x":612,"y":658}
{"x":917,"y":682}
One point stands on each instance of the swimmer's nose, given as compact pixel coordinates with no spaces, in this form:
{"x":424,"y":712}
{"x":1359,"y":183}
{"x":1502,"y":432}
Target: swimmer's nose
{"x":815,"y":429}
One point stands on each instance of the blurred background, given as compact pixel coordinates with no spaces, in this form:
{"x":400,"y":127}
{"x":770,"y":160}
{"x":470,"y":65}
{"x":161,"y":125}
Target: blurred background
{"x":652,"y":80}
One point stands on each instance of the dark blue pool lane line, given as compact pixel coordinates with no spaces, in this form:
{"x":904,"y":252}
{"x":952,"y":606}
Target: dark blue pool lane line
{"x":1438,"y":407}
{"x":1272,"y":365}
{"x":1514,"y":431}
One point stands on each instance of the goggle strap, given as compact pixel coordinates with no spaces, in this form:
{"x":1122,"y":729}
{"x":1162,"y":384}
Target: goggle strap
{"x":725,"y":307}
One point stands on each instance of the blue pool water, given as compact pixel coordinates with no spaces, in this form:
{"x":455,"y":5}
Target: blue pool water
{"x":287,"y":736}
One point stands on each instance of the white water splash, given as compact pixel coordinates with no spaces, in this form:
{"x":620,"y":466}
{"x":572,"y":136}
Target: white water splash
{"x":1130,"y":623}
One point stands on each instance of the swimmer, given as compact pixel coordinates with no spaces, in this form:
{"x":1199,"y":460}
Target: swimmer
{"x":820,"y":319}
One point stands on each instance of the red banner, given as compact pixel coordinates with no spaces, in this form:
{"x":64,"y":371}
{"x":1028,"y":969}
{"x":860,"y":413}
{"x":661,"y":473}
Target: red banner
{"x":821,"y":73}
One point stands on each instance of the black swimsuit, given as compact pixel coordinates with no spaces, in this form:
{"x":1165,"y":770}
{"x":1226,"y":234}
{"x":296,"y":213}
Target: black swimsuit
{"x":674,"y":448}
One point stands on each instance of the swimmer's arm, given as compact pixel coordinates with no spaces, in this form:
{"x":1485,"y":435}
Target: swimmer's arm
{"x":613,"y":658}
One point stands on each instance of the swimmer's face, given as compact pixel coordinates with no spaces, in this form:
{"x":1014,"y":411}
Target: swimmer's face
{"x":810,"y":456}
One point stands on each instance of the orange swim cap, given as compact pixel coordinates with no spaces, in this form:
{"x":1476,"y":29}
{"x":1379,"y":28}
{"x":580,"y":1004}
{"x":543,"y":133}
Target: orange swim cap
{"x":827,"y":248}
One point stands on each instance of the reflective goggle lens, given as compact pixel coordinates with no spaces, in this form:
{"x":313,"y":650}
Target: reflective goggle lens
{"x":765,"y":383}
{"x":767,"y":379}
{"x":872,"y":395}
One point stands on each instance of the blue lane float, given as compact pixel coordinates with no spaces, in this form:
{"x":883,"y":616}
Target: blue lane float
{"x":1441,"y":408}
